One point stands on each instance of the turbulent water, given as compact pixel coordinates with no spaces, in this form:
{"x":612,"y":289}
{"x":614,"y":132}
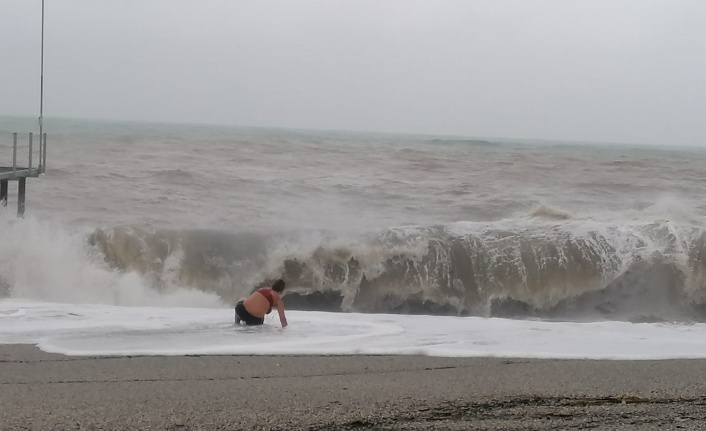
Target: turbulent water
{"x":161,"y":214}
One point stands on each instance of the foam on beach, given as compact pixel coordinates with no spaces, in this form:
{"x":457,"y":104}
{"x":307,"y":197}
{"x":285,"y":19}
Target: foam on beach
{"x":103,"y":330}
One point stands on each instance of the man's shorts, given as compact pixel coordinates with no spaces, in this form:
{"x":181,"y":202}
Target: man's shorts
{"x":246,"y":317}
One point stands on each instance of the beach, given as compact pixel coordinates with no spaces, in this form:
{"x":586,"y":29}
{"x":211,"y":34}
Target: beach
{"x":49,"y":391}
{"x":419,"y":270}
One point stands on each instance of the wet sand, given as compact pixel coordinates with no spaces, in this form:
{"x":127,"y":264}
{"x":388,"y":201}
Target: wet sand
{"x":40,"y":391}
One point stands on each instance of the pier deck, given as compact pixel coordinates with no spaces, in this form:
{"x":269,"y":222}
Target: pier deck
{"x":10,"y":173}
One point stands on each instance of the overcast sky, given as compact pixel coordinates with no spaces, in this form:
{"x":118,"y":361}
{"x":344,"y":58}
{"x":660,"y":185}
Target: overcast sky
{"x":593,"y":70}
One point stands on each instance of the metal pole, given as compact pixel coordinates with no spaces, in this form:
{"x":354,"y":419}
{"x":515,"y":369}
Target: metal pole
{"x":41,"y":82}
{"x":44,"y":155}
{"x":14,"y":154}
{"x":30,"y":153}
{"x":41,"y":149}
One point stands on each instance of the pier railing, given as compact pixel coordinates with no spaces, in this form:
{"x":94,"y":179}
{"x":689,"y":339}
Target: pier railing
{"x":14,"y":170}
{"x":20,"y":172}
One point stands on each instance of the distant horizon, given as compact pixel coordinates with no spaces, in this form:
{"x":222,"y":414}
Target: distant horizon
{"x":491,"y":139}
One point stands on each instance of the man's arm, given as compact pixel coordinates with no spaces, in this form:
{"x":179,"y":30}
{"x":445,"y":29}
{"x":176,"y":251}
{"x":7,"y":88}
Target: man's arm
{"x":280,"y":310}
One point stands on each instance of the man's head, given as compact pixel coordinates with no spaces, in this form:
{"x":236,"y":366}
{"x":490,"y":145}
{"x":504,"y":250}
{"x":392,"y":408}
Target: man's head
{"x":278,"y":286}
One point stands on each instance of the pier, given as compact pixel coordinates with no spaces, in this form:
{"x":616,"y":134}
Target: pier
{"x":20,"y":173}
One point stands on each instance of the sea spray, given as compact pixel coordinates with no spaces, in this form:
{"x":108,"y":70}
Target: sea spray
{"x":47,"y":262}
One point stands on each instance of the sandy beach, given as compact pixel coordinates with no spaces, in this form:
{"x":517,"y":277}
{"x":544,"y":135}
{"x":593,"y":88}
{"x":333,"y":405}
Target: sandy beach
{"x":40,"y":391}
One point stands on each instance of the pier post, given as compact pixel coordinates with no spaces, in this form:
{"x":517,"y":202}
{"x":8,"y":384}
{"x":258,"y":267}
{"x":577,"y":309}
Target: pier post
{"x":30,"y":151}
{"x":21,"y":197}
{"x":3,"y":192}
{"x":44,"y":153}
{"x":14,"y":154}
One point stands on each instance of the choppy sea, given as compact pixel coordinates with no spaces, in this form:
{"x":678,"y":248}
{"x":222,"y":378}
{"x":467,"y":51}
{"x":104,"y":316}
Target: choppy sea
{"x":146,"y":234}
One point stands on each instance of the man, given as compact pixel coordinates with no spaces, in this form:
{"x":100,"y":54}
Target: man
{"x":252,"y":310}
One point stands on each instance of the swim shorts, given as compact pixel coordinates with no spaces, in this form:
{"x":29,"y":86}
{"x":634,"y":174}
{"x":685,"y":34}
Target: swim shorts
{"x":246,"y":317}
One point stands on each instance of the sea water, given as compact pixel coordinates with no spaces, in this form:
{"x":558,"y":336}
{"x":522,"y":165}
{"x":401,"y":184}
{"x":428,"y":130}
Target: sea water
{"x":142,"y":236}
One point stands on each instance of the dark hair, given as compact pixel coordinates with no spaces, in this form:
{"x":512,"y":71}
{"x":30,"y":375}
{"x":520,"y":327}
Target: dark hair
{"x":278,"y":286}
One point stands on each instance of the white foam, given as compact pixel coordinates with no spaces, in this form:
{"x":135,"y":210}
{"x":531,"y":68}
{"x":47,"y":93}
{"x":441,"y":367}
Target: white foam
{"x":113,"y":330}
{"x":48,"y":262}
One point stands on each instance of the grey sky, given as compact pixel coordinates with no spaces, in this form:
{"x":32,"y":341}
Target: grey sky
{"x":613,"y":70}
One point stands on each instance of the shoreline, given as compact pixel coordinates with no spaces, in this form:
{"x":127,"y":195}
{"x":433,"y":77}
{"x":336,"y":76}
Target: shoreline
{"x":49,"y":391}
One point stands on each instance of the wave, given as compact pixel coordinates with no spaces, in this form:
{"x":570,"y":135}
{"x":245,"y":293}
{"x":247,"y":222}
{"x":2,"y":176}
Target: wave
{"x":47,"y":262}
{"x":468,"y":142}
{"x":548,"y":212}
{"x":173,"y":174}
{"x":530,"y":267}
{"x":565,"y":270}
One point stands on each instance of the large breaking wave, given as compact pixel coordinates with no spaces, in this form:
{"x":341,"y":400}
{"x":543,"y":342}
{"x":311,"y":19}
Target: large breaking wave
{"x":566,"y":270}
{"x":547,"y":265}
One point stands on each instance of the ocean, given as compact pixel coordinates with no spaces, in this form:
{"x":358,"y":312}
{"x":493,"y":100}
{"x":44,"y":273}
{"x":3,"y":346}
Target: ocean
{"x":148,"y":234}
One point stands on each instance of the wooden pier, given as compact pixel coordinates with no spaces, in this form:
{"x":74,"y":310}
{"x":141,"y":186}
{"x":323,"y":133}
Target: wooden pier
{"x":20,"y":173}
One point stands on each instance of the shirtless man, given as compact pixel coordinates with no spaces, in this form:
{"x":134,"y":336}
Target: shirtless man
{"x":253,"y":309}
